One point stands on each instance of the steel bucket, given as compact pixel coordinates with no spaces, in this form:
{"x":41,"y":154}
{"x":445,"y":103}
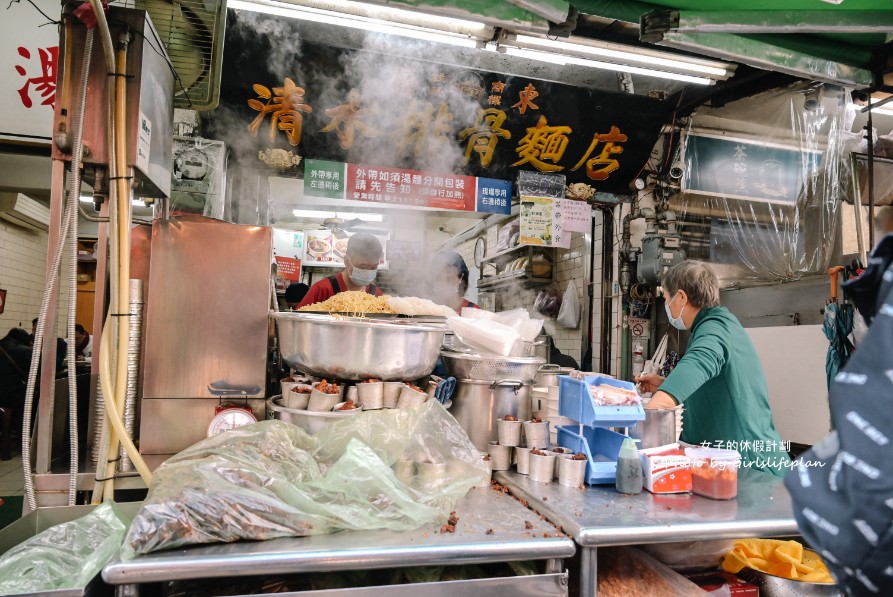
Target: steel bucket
{"x":477,"y":405}
{"x":658,"y":428}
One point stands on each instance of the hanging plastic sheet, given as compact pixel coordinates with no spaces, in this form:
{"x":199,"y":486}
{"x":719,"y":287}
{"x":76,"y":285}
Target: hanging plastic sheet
{"x":763,"y":183}
{"x":389,"y":469}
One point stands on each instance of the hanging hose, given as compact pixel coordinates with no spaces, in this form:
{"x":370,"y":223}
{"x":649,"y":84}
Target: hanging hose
{"x":114,"y":388}
{"x":122,"y":304}
{"x":68,"y":228}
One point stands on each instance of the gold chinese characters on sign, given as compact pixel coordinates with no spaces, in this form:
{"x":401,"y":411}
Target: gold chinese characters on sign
{"x":286,"y":105}
{"x":347,"y":121}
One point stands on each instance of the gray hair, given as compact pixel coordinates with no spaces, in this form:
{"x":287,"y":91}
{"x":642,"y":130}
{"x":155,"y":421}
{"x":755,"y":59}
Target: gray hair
{"x":696,"y":279}
{"x":364,"y":245}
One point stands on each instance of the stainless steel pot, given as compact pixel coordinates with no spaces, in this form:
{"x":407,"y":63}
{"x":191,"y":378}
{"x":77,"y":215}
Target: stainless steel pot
{"x":548,"y":375}
{"x":470,"y":365}
{"x":542,"y":346}
{"x":658,"y":428}
{"x":477,"y":404}
{"x":357,"y":348}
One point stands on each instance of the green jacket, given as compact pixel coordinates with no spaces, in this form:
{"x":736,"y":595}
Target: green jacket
{"x":721,"y":383}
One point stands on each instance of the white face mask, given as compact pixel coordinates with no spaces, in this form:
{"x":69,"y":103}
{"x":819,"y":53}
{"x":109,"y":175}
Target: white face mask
{"x":362,"y":277}
{"x":676,"y":322}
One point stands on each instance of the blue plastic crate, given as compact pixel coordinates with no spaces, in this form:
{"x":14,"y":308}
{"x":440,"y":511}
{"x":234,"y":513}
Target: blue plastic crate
{"x":575,"y":402}
{"x":601,"y":446}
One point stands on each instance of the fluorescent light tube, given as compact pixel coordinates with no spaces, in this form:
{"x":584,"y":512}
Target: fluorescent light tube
{"x":625,"y":54}
{"x":354,"y":22}
{"x":315,"y":214}
{"x":564,"y":60}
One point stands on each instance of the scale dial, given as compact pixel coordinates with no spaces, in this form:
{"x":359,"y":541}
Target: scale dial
{"x":230,"y":417}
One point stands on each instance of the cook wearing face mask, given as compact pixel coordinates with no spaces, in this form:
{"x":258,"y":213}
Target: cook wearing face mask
{"x":361,"y":261}
{"x":450,"y":281}
{"x":719,"y":379}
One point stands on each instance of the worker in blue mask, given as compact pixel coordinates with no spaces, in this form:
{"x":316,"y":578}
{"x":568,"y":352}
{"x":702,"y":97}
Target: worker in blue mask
{"x":361,"y":261}
{"x":719,"y":379}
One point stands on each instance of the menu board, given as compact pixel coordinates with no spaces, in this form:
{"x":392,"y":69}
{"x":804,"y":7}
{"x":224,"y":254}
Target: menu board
{"x":288,"y":250}
{"x":574,"y":216}
{"x":326,"y":248}
{"x":539,"y":225}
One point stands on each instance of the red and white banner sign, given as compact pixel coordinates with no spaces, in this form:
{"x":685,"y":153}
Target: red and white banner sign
{"x":410,"y":187}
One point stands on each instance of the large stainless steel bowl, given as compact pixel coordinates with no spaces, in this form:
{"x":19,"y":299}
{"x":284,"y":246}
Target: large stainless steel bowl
{"x":356,"y":348}
{"x":468,"y":365}
{"x":776,"y":586}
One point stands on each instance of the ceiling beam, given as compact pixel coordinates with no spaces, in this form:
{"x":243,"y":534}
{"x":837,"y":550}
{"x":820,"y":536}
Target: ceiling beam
{"x":762,"y":54}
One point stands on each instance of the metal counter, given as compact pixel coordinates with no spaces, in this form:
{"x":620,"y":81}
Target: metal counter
{"x":599,"y":516}
{"x":479,"y":512}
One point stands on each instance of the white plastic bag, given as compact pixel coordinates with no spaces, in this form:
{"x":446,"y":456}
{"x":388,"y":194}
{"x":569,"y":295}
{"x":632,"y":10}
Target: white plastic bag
{"x":569,"y":314}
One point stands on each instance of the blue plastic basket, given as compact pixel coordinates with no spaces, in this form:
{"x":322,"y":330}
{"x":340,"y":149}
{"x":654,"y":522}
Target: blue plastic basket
{"x":601,"y":446}
{"x":575,"y":402}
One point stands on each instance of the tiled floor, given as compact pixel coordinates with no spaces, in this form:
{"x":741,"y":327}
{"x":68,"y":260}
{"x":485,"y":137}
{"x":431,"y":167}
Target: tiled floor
{"x":12,"y":480}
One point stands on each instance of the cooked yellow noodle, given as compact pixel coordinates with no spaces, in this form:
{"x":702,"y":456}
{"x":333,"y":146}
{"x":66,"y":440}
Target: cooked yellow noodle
{"x":352,"y":301}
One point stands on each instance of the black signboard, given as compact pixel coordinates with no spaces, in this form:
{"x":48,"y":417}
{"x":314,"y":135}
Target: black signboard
{"x":740,"y":169}
{"x":282,"y":100}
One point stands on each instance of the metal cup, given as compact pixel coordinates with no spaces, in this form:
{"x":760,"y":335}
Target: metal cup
{"x":537,"y":434}
{"x":371,"y":395}
{"x":509,"y":432}
{"x":500,"y":457}
{"x":542,"y":467}
{"x":392,"y":393}
{"x":571,"y":472}
{"x":522,"y":459}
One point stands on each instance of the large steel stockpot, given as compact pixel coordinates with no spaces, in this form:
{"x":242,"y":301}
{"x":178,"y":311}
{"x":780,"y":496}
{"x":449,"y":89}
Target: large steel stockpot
{"x":657,"y":429}
{"x":547,"y":375}
{"x":356,"y":348}
{"x":477,"y":404}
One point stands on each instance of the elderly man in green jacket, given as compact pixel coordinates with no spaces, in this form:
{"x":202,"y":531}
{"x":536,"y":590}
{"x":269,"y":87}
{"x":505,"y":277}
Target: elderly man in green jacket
{"x":719,"y":379}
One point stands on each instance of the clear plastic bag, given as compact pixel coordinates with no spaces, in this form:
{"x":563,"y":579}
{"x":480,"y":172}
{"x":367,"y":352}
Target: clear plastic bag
{"x":65,"y":556}
{"x":569,"y":314}
{"x":628,"y":572}
{"x":691,"y":555}
{"x":272,"y":479}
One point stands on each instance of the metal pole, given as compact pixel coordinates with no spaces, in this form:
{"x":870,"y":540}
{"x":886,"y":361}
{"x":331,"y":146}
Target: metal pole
{"x":588,"y":571}
{"x":48,"y":358}
{"x":870,"y":181}
{"x":857,"y":205}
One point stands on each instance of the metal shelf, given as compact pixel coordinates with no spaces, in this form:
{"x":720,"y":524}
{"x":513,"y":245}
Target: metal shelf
{"x":524,"y":276}
{"x":513,"y":251}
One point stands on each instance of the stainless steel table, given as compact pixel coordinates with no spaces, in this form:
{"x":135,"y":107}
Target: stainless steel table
{"x":599,"y":516}
{"x":479,"y":512}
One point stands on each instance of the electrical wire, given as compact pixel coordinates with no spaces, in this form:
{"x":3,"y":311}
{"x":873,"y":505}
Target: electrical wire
{"x":164,"y":56}
{"x":50,"y":21}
